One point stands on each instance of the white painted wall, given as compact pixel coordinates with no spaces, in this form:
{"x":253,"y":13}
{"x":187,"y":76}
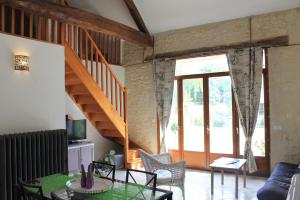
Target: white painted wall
{"x":120,"y":72}
{"x":102,"y":145}
{"x":33,"y":100}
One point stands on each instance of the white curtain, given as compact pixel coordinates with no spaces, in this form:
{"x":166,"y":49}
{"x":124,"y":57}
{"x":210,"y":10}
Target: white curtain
{"x":164,"y":74}
{"x":246,"y":74}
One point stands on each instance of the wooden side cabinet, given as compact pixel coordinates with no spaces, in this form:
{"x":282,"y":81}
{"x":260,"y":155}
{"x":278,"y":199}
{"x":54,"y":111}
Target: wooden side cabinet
{"x":78,"y":154}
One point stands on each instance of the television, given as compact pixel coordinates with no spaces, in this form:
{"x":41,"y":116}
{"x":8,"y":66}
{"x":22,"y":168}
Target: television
{"x":76,"y":130}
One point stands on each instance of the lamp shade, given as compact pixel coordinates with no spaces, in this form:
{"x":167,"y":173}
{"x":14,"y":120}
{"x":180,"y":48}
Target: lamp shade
{"x":21,"y":62}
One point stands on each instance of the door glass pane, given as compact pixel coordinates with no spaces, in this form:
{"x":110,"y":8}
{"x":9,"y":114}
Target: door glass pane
{"x":193,"y":115}
{"x":220,"y":114}
{"x":172,"y":129}
{"x":258,"y":139}
{"x":202,"y":65}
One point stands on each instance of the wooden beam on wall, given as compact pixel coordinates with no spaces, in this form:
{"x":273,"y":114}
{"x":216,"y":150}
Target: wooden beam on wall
{"x":204,"y":51}
{"x":136,"y":16}
{"x":82,"y":19}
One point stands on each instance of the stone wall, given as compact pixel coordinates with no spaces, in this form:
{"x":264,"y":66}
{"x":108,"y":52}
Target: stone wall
{"x":284,"y":75}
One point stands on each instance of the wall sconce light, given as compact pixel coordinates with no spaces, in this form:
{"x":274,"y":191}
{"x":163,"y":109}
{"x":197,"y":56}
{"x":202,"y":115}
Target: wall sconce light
{"x":21,"y":62}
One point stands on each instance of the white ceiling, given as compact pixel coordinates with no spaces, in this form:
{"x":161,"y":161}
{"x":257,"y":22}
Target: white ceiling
{"x":112,"y":9}
{"x":164,"y":15}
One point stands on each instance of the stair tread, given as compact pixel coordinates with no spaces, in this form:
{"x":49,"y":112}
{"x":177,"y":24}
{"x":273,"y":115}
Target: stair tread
{"x":70,"y":82}
{"x":133,"y":150}
{"x":134,"y":160}
{"x":86,"y":100}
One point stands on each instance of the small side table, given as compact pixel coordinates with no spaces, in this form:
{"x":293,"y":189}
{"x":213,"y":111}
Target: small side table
{"x":228,"y":164}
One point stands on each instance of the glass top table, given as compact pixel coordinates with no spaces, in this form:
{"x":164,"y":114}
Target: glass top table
{"x":118,"y":190}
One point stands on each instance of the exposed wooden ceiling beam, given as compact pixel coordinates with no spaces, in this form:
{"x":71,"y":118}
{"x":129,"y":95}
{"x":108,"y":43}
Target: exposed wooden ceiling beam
{"x":136,"y":16}
{"x":83,"y":19}
{"x":205,"y":51}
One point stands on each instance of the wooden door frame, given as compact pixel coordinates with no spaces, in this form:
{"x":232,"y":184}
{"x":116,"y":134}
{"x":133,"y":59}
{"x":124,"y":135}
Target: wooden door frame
{"x":206,"y":119}
{"x":235,"y":122}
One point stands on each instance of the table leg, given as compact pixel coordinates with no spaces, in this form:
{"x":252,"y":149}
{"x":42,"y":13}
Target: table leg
{"x":212,"y":181}
{"x":222,"y":177}
{"x":244,"y":175}
{"x":236,"y":183}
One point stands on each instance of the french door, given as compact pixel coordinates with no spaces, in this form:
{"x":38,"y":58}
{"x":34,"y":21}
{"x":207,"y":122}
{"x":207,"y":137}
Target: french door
{"x":205,"y":114}
{"x":208,"y":124}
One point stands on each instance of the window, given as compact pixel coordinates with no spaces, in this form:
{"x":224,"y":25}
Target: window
{"x":193,"y":114}
{"x":220,"y":115}
{"x":202,"y":65}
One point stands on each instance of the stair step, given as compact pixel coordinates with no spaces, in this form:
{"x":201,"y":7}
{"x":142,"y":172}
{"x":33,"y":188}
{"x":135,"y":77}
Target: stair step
{"x":85,"y":100}
{"x":105,"y":126}
{"x":135,"y":163}
{"x":98,"y":117}
{"x":72,"y":81}
{"x":78,"y":89}
{"x":133,"y":154}
{"x":92,"y":108}
{"x":110,"y":133}
{"x":70,"y":76}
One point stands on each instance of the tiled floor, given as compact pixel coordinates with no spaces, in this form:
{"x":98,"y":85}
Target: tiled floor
{"x":197,"y":186}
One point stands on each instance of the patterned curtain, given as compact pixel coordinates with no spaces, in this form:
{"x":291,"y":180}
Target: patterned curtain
{"x":164,"y":74}
{"x":246,"y":74}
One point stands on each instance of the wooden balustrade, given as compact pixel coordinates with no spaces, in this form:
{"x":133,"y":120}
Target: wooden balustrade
{"x":109,"y":45}
{"x":87,"y":45}
{"x":26,"y":24}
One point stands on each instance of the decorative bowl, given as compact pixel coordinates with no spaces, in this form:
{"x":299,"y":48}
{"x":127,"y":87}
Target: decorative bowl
{"x":100,"y":185}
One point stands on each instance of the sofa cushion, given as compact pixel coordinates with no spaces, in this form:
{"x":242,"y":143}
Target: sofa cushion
{"x":273,"y":190}
{"x":278,"y":183}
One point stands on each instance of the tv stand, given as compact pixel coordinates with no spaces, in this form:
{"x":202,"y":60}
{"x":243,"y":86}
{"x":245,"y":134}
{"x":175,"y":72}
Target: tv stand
{"x":72,"y":142}
{"x":80,"y":153}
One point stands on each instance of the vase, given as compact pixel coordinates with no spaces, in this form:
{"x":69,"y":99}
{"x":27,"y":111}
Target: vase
{"x":83,"y":177}
{"x":89,"y":177}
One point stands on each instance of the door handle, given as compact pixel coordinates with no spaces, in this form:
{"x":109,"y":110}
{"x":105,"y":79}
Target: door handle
{"x":237,"y":131}
{"x":207,"y":130}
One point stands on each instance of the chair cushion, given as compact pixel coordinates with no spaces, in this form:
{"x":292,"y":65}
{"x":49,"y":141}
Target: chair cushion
{"x":163,"y":176}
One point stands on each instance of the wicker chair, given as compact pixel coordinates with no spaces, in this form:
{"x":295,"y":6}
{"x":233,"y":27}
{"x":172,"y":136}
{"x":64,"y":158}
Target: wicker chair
{"x":172,"y":174}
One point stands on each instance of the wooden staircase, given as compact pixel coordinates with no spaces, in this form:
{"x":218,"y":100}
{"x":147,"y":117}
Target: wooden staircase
{"x":98,"y":93}
{"x":89,"y":79}
{"x":94,"y":87}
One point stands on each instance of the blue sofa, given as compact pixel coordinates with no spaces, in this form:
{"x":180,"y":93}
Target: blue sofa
{"x":277,"y":185}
